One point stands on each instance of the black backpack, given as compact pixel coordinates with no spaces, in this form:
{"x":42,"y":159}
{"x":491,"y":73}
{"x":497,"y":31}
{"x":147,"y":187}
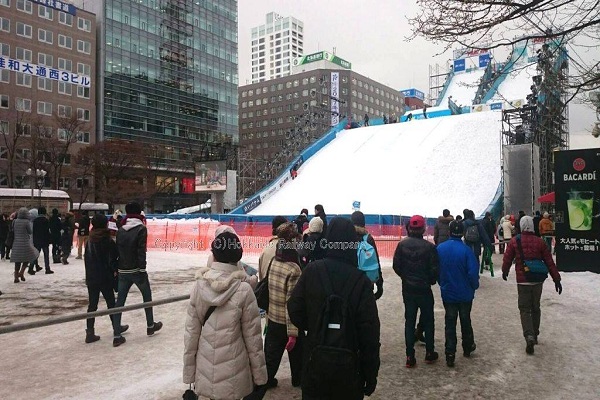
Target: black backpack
{"x":472,"y":234}
{"x":333,"y":363}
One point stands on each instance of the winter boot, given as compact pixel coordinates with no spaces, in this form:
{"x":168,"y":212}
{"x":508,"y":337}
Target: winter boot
{"x":467,"y":352}
{"x":38,"y":268}
{"x":529,"y":349}
{"x":117,"y":341}
{"x":16,"y":277}
{"x":30,"y":270}
{"x":49,"y":271}
{"x":22,"y":272}
{"x":450,"y":360}
{"x":431,"y":357}
{"x":411,"y":361}
{"x":154,"y":328}
{"x":90,"y":337}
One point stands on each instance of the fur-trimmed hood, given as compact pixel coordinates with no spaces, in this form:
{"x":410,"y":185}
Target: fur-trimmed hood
{"x":219,"y":282}
{"x":445,"y":220}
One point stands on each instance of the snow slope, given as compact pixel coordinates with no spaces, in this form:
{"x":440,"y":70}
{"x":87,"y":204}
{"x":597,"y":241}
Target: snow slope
{"x":517,"y":84}
{"x":419,"y":167}
{"x":463,"y":88}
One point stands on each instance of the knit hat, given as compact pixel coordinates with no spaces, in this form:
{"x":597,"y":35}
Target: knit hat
{"x":416,"y":222}
{"x":278,"y":220}
{"x":315,"y":225}
{"x":527,"y":224}
{"x":224,"y":228}
{"x":358,"y":218}
{"x":227,"y":248}
{"x":133,"y":208}
{"x":546,"y":215}
{"x":456,"y":229}
{"x":99,"y":221}
{"x":305,"y":212}
{"x":288,"y":231}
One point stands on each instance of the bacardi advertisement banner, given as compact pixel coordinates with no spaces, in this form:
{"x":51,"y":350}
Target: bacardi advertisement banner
{"x":577,"y":219}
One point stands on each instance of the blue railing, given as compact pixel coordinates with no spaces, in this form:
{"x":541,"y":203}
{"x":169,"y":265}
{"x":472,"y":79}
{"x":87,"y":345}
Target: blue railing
{"x":445,"y":87}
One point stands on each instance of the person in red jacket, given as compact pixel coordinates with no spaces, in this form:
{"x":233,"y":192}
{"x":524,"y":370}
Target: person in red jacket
{"x":529,"y":292}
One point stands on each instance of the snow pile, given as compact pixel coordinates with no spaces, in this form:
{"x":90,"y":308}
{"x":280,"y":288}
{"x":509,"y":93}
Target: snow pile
{"x":463,"y":88}
{"x":517,"y":84}
{"x":418,"y":167}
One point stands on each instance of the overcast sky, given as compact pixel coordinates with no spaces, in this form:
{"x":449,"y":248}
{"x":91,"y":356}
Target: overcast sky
{"x":371,"y":35}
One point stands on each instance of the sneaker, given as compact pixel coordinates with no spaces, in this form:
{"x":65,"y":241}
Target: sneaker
{"x":431,"y":357}
{"x":154,"y":328}
{"x":118,"y":341}
{"x":450,"y":360}
{"x":411,"y":361}
{"x":124,"y":328}
{"x":467,"y":352}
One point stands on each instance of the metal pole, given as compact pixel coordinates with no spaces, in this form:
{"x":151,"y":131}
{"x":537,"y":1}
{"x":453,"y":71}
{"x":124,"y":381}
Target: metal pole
{"x":80,"y":316}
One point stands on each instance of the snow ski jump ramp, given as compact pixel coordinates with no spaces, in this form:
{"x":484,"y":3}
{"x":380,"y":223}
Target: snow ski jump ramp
{"x":417,"y":167}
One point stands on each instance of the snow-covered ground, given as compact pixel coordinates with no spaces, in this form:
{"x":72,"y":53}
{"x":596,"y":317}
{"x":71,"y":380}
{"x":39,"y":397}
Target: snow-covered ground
{"x":463,"y":88}
{"x":517,"y":84}
{"x":54,"y":362}
{"x":417,"y":167}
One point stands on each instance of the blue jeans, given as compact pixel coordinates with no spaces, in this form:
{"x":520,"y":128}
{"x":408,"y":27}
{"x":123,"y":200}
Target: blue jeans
{"x":125,"y":282}
{"x":412,"y":303}
{"x":462,"y":311}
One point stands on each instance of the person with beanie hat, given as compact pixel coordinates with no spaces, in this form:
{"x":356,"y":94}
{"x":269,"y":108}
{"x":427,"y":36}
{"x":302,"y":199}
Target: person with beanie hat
{"x":458,"y":279}
{"x":270,"y":249}
{"x":301,"y":220}
{"x":223,"y":349}
{"x":55,"y":228}
{"x":41,"y":240}
{"x":313,"y":245}
{"x":416,"y":262}
{"x":529,"y":288}
{"x":358,"y":219}
{"x":132,"y":239}
{"x":283,"y":273}
{"x":340,"y":268}
{"x":101,"y":261}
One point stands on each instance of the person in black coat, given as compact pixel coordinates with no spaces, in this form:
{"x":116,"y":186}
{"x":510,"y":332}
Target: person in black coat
{"x":312,"y":247}
{"x":320,"y":212}
{"x":55,"y":228}
{"x":41,"y":240}
{"x":101,"y":265}
{"x":301,"y":221}
{"x":66,"y":237}
{"x":490,"y":228}
{"x":307,"y":299}
{"x":358,"y":219}
{"x":536,"y":223}
{"x":83,"y":232}
{"x":3,"y":234}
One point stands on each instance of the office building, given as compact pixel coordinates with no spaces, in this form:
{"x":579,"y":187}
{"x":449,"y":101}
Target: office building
{"x":275,"y":45}
{"x":47,"y":93}
{"x":168,"y":79}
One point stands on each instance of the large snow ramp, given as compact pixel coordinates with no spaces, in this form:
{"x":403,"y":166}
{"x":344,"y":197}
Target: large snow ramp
{"x":418,"y":167}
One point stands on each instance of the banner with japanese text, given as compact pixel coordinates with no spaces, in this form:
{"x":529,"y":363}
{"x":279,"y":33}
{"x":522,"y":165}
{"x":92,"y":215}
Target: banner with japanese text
{"x":577,"y":217}
{"x":42,"y":71}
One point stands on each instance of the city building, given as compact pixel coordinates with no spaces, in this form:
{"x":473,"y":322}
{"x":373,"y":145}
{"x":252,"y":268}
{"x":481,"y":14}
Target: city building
{"x":280,"y":117}
{"x":168,"y":77}
{"x":414,"y":99}
{"x":274,"y":46}
{"x":47,"y":93}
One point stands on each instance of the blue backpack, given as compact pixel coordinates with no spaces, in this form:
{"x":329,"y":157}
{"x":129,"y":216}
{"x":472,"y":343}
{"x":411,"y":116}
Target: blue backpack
{"x":367,"y":259}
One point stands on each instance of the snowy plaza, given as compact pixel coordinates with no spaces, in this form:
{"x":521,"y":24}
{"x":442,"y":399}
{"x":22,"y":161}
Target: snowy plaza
{"x":55,"y":363}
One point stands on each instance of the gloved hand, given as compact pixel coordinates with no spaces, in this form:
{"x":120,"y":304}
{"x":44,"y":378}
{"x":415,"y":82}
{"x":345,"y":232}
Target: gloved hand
{"x":291,"y":343}
{"x":558,"y":287}
{"x":370,"y":387}
{"x":504,"y":276}
{"x":379,"y":291}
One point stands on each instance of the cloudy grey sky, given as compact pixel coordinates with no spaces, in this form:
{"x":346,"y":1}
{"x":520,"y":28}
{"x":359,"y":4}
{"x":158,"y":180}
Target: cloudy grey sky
{"x":371,"y":35}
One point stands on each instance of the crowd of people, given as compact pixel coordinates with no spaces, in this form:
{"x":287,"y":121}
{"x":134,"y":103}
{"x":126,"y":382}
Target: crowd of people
{"x":322,"y":306}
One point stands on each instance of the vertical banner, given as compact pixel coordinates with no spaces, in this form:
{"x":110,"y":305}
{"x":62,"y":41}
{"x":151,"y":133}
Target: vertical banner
{"x":335,"y":94}
{"x":577,"y":184}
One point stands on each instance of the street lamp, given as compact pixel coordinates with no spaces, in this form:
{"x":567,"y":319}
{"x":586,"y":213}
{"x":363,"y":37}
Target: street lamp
{"x":40,"y":174}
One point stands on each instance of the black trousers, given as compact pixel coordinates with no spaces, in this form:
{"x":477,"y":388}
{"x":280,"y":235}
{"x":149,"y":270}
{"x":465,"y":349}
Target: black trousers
{"x":412,"y":304}
{"x":94,"y":298}
{"x":460,"y":311}
{"x":275,"y":342}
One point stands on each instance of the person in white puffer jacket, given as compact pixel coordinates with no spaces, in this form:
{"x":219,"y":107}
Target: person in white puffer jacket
{"x":223,"y":349}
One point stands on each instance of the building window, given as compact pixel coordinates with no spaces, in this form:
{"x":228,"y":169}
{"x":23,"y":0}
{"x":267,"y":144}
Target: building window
{"x":24,"y":30}
{"x":44,"y":108}
{"x":65,"y":19}
{"x":83,"y":92}
{"x":65,"y":65}
{"x":83,"y":114}
{"x":65,"y":41}
{"x":84,"y":24}
{"x":45,"y":84}
{"x":84,"y":46}
{"x":23,"y":54}
{"x":62,"y":135}
{"x":4,"y":101}
{"x":46,"y":59}
{"x":5,"y":24}
{"x":63,"y":183}
{"x":45,"y":36}
{"x":25,"y":6}
{"x":84,"y":69}
{"x":82,"y":182}
{"x":23,"y":79}
{"x":83,"y":137}
{"x":44,"y":12}
{"x":23,"y":105}
{"x":64,"y":111}
{"x":65,"y":88}
{"x":5,"y":3}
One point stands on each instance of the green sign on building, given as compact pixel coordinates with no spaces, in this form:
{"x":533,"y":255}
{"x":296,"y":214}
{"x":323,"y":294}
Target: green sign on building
{"x":320,"y":56}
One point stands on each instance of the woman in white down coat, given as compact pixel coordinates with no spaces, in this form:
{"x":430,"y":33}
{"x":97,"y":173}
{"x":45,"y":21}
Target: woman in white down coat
{"x":223,"y":356}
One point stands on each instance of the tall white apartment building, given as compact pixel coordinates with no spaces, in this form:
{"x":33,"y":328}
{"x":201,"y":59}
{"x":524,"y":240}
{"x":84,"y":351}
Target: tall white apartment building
{"x":274,"y":46}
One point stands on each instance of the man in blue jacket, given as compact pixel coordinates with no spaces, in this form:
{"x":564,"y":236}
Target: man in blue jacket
{"x":459,"y":278}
